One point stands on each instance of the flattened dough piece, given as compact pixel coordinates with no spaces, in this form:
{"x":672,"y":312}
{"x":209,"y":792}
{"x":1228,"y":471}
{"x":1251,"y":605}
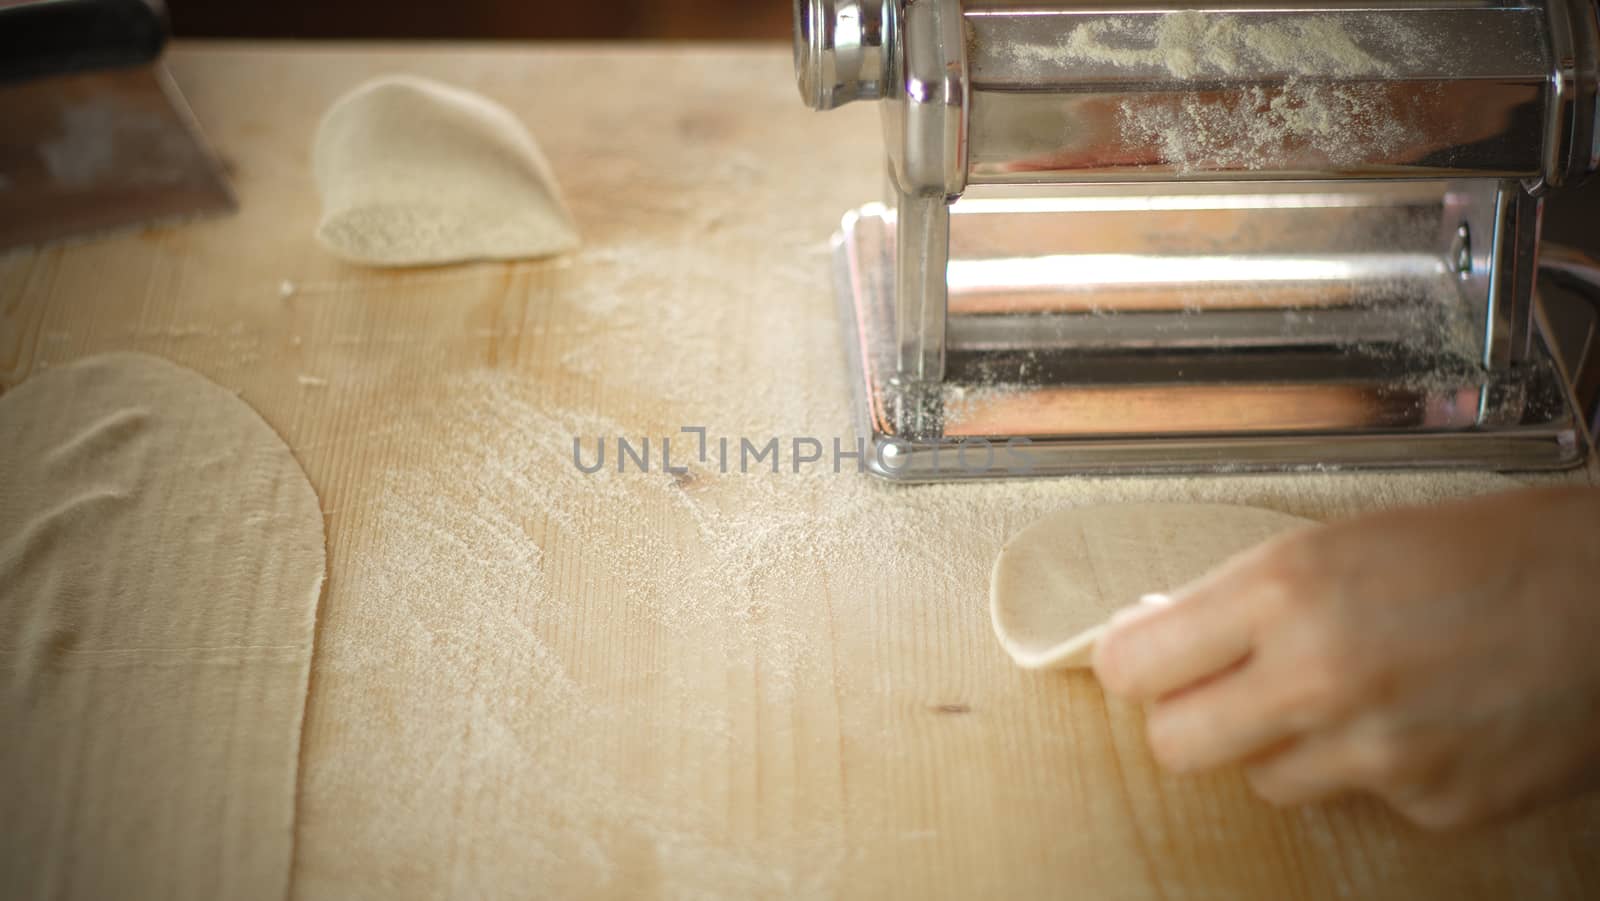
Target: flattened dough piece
{"x":415,"y":172}
{"x":1057,"y":581}
{"x":161,"y":556}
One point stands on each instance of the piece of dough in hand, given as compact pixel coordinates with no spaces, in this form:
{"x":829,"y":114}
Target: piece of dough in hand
{"x":1057,"y":582}
{"x":413,"y":172}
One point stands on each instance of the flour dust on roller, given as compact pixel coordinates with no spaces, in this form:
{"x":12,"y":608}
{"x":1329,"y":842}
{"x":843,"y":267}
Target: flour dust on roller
{"x":1056,"y":582}
{"x":413,"y":172}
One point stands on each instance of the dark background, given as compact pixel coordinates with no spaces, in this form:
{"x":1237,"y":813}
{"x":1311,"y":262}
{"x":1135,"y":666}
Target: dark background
{"x":495,"y":19}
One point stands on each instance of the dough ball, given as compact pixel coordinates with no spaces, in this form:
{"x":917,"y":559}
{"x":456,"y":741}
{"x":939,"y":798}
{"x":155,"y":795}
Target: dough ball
{"x":161,"y":557}
{"x":1057,"y":581}
{"x":413,"y":172}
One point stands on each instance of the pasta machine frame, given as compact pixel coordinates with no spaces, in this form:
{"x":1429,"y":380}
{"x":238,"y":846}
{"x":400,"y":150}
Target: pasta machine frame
{"x":1163,"y":238}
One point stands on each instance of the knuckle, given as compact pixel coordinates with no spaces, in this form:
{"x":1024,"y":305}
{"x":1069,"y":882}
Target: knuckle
{"x":1291,"y":580}
{"x":1111,"y":664}
{"x":1311,"y":569}
{"x":1404,"y":764}
{"x":1383,"y":762}
{"x":1365,"y":678}
{"x":1440,"y":812}
{"x":1167,"y":744}
{"x":1331,"y":671}
{"x":1293,"y":561}
{"x":1320,"y":687}
{"x":1282,"y":592}
{"x":1269,"y":785}
{"x":1323,"y":682}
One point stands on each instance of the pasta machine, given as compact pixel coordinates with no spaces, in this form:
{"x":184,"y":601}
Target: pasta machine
{"x":1156,"y":237}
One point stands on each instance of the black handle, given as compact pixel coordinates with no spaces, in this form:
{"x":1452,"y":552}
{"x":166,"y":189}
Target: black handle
{"x":39,"y":38}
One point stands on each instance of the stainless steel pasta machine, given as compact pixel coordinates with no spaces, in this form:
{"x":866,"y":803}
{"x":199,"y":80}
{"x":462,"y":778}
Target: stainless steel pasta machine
{"x":1162,"y":237}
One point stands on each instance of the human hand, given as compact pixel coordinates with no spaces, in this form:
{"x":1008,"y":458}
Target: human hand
{"x":1445,"y":659}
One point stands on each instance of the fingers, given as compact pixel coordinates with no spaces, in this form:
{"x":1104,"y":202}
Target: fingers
{"x":1216,"y":697}
{"x":1236,"y":715}
{"x":1155,"y":649}
{"x":1306,"y":771}
{"x":1406,"y":771}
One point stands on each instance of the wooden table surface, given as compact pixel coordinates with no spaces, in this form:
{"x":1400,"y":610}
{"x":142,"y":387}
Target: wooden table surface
{"x":533,"y":682}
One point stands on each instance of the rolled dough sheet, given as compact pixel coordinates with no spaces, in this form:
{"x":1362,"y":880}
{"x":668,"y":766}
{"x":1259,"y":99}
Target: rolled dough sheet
{"x":161,"y":556}
{"x":1056,"y":582}
{"x":415,"y":172}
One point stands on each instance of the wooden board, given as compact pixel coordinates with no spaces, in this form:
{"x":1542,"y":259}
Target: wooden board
{"x":534,"y":682}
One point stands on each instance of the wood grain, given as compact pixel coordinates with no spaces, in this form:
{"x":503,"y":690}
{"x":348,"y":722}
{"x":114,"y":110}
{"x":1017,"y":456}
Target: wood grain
{"x":724,"y":685}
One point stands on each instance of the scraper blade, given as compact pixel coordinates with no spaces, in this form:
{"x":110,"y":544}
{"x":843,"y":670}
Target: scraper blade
{"x":97,"y":136}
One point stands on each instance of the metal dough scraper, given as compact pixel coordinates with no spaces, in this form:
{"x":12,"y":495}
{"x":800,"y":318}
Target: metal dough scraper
{"x":96,"y":136}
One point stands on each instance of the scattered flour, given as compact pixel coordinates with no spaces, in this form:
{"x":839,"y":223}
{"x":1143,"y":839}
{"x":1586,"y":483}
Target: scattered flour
{"x":1298,"y":125}
{"x":1191,"y":44}
{"x":519,"y":617}
{"x":1308,"y":94}
{"x":706,"y":685}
